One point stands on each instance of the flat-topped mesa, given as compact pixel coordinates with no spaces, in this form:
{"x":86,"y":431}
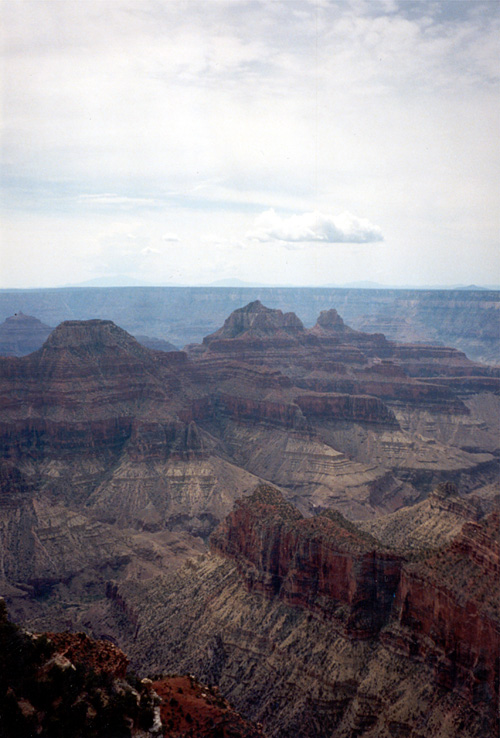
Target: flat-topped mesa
{"x":257,"y":321}
{"x":324,"y":564}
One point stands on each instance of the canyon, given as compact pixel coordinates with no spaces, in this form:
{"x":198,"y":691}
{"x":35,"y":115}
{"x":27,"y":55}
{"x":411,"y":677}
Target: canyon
{"x":317,"y":629}
{"x":306,"y":518}
{"x":464,"y":319}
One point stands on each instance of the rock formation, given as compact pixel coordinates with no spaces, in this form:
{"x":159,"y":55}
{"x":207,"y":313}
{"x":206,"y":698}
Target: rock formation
{"x":61,"y":684}
{"x":118,"y":462}
{"x":21,"y":334}
{"x":101,"y":435}
{"x":330,"y":633}
{"x":464,"y":319}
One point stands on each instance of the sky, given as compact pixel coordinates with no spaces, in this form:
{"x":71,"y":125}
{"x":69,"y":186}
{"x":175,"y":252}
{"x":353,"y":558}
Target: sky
{"x":300,"y":142}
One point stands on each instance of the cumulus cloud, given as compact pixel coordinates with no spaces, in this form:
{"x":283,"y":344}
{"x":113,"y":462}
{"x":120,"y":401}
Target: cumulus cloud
{"x":315,"y":226}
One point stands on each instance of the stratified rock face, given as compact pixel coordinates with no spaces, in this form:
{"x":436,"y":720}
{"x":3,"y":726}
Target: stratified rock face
{"x":429,"y":524}
{"x":116,"y":459}
{"x":449,"y":603}
{"x":255,"y":320}
{"x":322,"y":563}
{"x":445,"y":603}
{"x":465,"y":319}
{"x":333,"y":357}
{"x":314,"y":629}
{"x":146,"y":438}
{"x":21,"y":334}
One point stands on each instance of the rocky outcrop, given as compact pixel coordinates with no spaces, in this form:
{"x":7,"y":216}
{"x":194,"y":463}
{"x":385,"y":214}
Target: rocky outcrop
{"x":321,"y":563}
{"x":332,"y":357}
{"x":68,"y":684}
{"x":329,"y":633}
{"x":450,"y":609}
{"x":465,"y":319}
{"x":440,"y":609}
{"x":189,"y":708}
{"x":101,"y":656}
{"x":21,"y":334}
{"x":257,"y":321}
{"x":429,"y":524}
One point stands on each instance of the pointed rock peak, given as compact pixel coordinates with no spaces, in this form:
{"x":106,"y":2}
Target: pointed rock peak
{"x":259,"y":319}
{"x":21,"y":319}
{"x":330,"y":320}
{"x":254,"y":307}
{"x":20,"y":316}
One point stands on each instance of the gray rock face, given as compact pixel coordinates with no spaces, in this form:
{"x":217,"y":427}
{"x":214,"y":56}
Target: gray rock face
{"x":21,"y":334}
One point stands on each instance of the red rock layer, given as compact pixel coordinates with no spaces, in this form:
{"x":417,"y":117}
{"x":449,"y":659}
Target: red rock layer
{"x":320,"y":563}
{"x":190,"y":709}
{"x":332,"y":357}
{"x":101,"y":656}
{"x":442,"y":609}
{"x":449,"y":601}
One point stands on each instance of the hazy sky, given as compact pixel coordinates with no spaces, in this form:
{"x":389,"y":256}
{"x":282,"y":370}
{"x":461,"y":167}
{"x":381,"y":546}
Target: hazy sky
{"x":282,"y":141}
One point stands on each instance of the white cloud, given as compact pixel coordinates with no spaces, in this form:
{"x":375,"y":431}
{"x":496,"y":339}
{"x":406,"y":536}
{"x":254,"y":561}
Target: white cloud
{"x":192,"y":117}
{"x":315,"y":226}
{"x":110,"y":198}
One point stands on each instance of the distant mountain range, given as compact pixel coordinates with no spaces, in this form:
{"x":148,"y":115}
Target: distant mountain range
{"x":123,"y":280}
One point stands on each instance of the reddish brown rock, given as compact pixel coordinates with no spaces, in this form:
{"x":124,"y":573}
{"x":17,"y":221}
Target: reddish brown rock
{"x":449,"y":602}
{"x":442,"y":609}
{"x":320,"y":563}
{"x":347,"y":407}
{"x":189,"y":708}
{"x":101,"y":656}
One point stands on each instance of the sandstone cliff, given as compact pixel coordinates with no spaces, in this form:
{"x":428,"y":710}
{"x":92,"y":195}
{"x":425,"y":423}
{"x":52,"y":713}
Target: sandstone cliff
{"x":284,"y":623}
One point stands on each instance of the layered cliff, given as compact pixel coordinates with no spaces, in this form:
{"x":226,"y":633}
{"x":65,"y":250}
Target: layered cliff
{"x":315,"y":629}
{"x":464,"y":319}
{"x":118,"y":460}
{"x":449,"y":604}
{"x":333,"y":357}
{"x":321,"y":563}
